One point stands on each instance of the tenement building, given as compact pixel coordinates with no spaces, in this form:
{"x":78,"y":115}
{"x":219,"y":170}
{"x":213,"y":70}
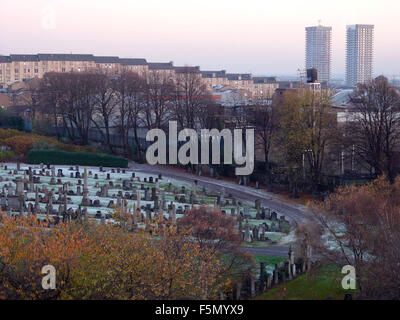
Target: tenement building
{"x":19,"y":67}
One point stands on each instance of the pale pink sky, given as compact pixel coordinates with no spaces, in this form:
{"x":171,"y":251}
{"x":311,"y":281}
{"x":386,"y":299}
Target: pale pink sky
{"x":258,"y":36}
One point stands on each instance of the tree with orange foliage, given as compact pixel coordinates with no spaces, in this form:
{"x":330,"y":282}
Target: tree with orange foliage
{"x":26,"y":246}
{"x":216,"y":231}
{"x":95,"y":261}
{"x":361,"y":227}
{"x":135,"y":265}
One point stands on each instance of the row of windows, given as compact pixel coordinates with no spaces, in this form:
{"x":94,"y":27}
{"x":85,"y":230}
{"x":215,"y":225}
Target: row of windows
{"x":26,"y":70}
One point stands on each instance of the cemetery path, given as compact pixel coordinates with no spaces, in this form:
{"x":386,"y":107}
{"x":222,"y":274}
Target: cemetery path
{"x":274,"y":251}
{"x":294,"y":213}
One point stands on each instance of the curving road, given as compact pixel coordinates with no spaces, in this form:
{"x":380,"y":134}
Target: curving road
{"x":294,"y":213}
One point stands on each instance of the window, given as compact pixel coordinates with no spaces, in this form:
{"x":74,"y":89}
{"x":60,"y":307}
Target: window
{"x":36,"y":70}
{"x":63,"y":69}
{"x":16,"y":71}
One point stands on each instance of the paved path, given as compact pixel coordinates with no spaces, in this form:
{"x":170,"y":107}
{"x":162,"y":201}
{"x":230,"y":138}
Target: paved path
{"x":273,"y":251}
{"x":294,"y":213}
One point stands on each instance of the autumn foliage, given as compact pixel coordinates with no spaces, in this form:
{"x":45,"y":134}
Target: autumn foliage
{"x":361,"y":227}
{"x":213,"y":230}
{"x":26,"y":246}
{"x":21,"y":143}
{"x":96,"y":261}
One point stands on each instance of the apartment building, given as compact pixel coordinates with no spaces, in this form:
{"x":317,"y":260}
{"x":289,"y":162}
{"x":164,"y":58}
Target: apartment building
{"x":138,"y":66}
{"x":359,"y":54}
{"x":319,"y":51}
{"x":264,"y":87}
{"x":214,"y":78}
{"x":106,"y":64}
{"x":187,"y":76}
{"x":19,"y":67}
{"x":241,"y":81}
{"x":166,"y":70}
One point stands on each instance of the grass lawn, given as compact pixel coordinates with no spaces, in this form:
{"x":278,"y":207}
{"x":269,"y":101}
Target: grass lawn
{"x":320,"y":283}
{"x":268,"y":260}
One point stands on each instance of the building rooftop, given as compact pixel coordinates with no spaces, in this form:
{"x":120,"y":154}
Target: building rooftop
{"x":187,"y":69}
{"x":265,"y":79}
{"x":239,"y":76}
{"x":106,"y":59}
{"x":161,"y":65}
{"x":5,"y":59}
{"x":133,"y":62}
{"x":65,"y":57}
{"x":213,"y":74}
{"x":341,"y":98}
{"x":24,"y":57}
{"x":4,"y":100}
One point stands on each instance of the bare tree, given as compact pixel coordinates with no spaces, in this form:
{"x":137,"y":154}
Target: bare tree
{"x":264,"y":119}
{"x":158,"y":99}
{"x":104,"y":107}
{"x":375,"y":129}
{"x":191,"y":97}
{"x":70,"y":96}
{"x":130,"y":89}
{"x":79,"y":103}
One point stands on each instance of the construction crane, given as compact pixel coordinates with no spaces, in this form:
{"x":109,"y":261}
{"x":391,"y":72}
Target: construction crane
{"x":302,"y":73}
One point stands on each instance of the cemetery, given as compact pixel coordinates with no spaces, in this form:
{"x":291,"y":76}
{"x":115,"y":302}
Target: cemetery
{"x":64,"y":193}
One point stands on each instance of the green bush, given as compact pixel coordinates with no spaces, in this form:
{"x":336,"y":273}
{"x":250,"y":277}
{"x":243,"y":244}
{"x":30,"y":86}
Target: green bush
{"x":7,"y":156}
{"x":10,"y":121}
{"x":44,"y":144}
{"x":75,"y":158}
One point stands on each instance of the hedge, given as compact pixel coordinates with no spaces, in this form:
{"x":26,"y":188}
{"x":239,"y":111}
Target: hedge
{"x":75,"y":158}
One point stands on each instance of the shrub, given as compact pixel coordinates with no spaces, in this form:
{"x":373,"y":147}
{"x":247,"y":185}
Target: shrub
{"x":10,"y":121}
{"x":42,"y":127}
{"x":7,"y":156}
{"x":20,"y":144}
{"x":75,"y":158}
{"x":45,"y":144}
{"x":8,"y":133}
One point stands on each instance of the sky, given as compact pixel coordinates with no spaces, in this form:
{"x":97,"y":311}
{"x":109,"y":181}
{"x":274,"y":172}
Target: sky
{"x":259,"y":36}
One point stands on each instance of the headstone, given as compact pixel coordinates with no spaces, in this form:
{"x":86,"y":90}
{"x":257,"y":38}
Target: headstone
{"x":53,"y":175}
{"x":247,"y":235}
